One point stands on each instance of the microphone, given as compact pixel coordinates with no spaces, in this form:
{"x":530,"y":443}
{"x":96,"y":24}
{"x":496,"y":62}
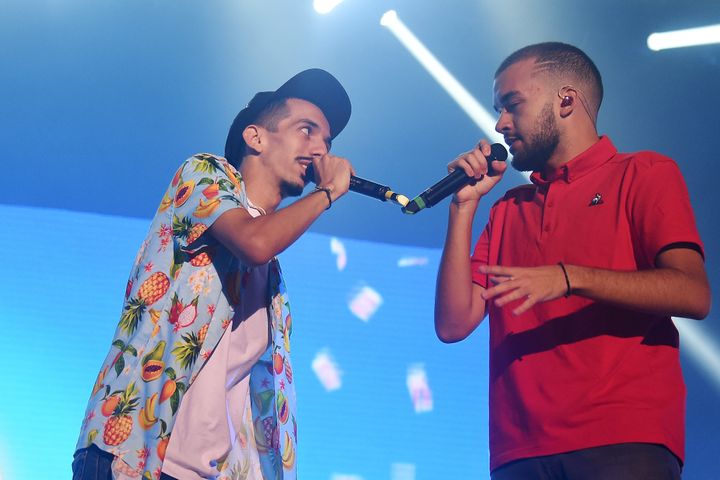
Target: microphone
{"x":452,"y":183}
{"x":366,"y":187}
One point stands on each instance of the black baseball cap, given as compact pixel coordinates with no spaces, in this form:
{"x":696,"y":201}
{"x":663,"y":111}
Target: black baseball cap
{"x":314,"y":85}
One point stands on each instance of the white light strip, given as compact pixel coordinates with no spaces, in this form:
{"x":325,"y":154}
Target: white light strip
{"x":702,"y":349}
{"x":684,"y":38}
{"x":467,"y":102}
{"x":477,"y":113}
{"x":325,"y":6}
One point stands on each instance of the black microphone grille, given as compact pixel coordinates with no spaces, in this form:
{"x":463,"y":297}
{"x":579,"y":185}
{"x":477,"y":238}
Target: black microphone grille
{"x":310,"y":172}
{"x":498,"y":152}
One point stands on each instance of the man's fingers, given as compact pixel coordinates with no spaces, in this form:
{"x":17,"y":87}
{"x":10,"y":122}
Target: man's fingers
{"x":498,"y":279}
{"x":510,"y":297}
{"x":498,"y":289}
{"x":478,"y":162}
{"x":467,"y":167}
{"x":462,"y":164}
{"x":499,"y":166}
{"x":484,"y":148}
{"x":525,"y":306}
{"x":492,"y":292}
{"x":495,"y":270}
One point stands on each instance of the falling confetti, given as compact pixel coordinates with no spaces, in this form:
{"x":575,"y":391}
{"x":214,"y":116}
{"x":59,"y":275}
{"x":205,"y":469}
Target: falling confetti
{"x":365,"y":303}
{"x":412,"y":261}
{"x":326,"y":370}
{"x":402,"y":471}
{"x":419,"y":389}
{"x":338,"y":248}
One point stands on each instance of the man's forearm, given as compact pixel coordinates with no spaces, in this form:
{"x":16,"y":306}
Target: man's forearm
{"x":257,"y":240}
{"x":666,"y":290}
{"x":678,"y":285}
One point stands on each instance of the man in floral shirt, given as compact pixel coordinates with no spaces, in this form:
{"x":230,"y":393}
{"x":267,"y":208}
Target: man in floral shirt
{"x":198,"y":381}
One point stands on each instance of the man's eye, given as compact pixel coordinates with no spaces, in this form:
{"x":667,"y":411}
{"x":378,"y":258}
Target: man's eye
{"x":305,"y":130}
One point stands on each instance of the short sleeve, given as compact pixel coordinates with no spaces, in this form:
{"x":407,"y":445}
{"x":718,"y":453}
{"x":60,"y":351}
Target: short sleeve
{"x":204,"y":188}
{"x":660,"y":210}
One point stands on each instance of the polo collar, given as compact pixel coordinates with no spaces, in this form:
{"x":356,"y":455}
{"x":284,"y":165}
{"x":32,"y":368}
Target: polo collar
{"x":599,"y":153}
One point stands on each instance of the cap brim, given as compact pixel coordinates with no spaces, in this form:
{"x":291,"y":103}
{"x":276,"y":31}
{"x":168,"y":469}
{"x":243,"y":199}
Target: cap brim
{"x":322,"y":89}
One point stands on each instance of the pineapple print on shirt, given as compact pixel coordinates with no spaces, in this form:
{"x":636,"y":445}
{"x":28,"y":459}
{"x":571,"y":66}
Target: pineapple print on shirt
{"x":180,"y":297}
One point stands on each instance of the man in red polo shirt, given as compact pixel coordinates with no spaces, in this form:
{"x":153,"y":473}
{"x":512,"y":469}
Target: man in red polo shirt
{"x":579,"y":272}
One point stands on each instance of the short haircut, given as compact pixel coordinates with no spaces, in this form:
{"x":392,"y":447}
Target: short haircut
{"x":269,"y":117}
{"x":565,"y":62}
{"x":272,"y":114}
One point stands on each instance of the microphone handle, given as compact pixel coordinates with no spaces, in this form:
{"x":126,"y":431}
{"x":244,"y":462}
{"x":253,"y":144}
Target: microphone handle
{"x":375,"y":190}
{"x":367,"y":187}
{"x":452,"y":182}
{"x":371,"y":189}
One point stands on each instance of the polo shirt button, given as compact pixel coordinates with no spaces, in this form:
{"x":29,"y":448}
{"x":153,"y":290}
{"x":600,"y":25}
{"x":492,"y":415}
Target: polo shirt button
{"x":547,"y":228}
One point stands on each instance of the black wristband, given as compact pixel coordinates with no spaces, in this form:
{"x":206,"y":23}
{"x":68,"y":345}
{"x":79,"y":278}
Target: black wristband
{"x":327,"y":191}
{"x":567,"y":280}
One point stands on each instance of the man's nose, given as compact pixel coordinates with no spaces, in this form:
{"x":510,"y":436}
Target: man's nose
{"x":319,"y":147}
{"x":503,"y":122}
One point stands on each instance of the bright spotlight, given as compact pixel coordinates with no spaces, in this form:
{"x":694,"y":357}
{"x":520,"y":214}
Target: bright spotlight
{"x":684,"y":38}
{"x":388,"y":18}
{"x":325,"y":6}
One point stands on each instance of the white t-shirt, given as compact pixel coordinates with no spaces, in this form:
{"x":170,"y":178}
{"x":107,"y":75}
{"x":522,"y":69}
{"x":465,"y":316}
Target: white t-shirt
{"x":204,"y":427}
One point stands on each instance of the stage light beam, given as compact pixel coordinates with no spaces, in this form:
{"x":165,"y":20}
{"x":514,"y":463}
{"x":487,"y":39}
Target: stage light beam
{"x":477,"y":113}
{"x":702,"y":349}
{"x":689,"y":37}
{"x":388,"y":18}
{"x":325,"y":6}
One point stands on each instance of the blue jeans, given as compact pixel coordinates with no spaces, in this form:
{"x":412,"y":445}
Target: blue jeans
{"x":94,"y":464}
{"x":624,"y":461}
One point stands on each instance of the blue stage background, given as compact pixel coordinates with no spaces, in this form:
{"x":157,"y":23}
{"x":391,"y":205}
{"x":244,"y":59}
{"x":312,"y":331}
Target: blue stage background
{"x":61,"y":299}
{"x":61,"y":295}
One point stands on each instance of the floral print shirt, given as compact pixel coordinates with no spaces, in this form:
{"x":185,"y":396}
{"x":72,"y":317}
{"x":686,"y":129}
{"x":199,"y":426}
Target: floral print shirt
{"x":183,"y":290}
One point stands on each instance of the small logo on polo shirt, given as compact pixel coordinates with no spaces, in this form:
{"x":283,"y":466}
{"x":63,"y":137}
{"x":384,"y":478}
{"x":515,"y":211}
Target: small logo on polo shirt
{"x":596,"y":200}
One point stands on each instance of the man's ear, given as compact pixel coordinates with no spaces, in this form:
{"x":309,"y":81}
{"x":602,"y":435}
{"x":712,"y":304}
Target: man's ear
{"x":568,"y":97}
{"x":253,"y":138}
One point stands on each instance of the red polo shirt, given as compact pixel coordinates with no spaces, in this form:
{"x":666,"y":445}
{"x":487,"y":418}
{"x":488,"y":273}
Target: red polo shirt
{"x":572,"y":373}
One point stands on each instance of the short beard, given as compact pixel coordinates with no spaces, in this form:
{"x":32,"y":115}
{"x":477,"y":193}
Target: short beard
{"x":288,"y":189}
{"x":541,"y":144}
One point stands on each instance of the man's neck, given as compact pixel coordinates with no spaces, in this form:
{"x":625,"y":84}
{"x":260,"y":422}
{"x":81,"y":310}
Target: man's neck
{"x":570,"y":147}
{"x":259,"y":186}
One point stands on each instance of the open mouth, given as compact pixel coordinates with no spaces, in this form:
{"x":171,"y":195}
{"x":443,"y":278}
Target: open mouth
{"x":304,"y":164}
